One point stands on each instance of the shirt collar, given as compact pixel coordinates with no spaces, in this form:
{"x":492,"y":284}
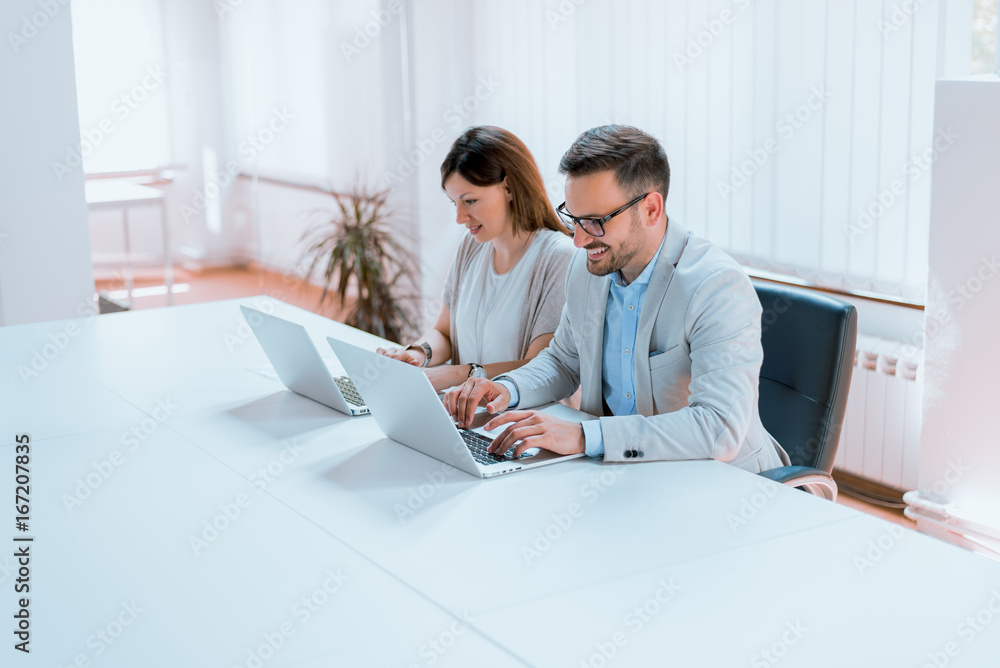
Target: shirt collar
{"x":646,"y":274}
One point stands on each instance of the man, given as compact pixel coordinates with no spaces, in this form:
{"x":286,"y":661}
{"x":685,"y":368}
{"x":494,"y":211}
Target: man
{"x":661,"y":329}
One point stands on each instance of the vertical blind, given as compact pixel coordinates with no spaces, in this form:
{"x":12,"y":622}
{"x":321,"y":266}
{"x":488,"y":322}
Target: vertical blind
{"x":800,"y":132}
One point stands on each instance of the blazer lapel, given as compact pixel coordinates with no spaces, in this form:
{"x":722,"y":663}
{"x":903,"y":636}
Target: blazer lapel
{"x":673,"y":247}
{"x":592,"y":352}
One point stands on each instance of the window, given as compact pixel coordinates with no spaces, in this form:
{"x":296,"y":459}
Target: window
{"x":122,"y":83}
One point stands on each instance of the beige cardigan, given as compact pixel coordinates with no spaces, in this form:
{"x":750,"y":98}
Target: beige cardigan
{"x":546,"y":293}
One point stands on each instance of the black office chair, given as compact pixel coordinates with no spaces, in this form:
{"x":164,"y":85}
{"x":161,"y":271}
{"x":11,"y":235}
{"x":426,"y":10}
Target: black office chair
{"x":809,"y":342}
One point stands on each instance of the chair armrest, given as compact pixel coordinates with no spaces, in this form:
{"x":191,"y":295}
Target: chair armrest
{"x":814,"y":481}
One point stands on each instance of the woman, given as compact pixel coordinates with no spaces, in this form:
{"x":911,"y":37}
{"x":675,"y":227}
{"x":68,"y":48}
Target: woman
{"x":506,"y":287}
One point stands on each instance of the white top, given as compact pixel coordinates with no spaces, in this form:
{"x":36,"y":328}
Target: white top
{"x":493,"y":303}
{"x":542,"y":277}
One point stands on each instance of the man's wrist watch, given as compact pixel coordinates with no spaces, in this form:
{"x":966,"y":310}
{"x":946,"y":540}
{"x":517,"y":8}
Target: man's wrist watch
{"x":425,"y":347}
{"x":476,"y":370}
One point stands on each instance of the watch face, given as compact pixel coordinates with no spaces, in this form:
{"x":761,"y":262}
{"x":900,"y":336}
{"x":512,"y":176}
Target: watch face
{"x":477,"y":371}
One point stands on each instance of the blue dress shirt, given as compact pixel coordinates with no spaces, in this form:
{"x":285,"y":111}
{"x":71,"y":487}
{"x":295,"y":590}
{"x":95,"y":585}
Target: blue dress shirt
{"x":621,"y":321}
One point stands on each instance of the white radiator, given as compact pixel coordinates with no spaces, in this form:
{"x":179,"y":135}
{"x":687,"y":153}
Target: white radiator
{"x":880,"y":439}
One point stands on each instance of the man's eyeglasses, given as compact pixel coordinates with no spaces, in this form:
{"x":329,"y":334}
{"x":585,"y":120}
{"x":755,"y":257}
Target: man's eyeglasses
{"x":593,"y":226}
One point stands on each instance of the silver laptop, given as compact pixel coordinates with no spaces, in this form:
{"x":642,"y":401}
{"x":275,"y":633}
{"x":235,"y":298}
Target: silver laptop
{"x":408,"y":410}
{"x":299,"y":365}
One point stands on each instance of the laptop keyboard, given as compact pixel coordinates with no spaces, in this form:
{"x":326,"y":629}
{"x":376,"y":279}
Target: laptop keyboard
{"x":348,"y":390}
{"x":477,"y":444}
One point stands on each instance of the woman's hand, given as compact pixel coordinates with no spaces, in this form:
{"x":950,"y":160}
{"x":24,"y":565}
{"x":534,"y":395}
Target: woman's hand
{"x":442,"y":376}
{"x":410,"y":356}
{"x":447,"y":375}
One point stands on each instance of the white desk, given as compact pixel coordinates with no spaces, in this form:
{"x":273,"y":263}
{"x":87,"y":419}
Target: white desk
{"x":435,"y":557}
{"x":124,"y":195}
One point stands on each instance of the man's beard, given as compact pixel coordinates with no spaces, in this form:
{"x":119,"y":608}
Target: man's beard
{"x":616,"y":258}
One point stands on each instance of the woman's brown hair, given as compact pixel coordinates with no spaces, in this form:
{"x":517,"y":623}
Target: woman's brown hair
{"x":485,"y":156}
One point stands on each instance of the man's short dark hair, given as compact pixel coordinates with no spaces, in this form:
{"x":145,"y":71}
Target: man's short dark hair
{"x":637,"y":159}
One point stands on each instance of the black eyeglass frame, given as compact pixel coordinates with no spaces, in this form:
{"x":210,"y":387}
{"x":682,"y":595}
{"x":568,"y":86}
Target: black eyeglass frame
{"x":587,"y":223}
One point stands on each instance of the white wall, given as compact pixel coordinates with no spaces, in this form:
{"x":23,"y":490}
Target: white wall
{"x":960,"y":450}
{"x":45,"y":268}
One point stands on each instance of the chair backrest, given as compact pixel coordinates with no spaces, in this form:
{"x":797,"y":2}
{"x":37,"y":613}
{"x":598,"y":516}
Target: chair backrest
{"x":809,"y":343}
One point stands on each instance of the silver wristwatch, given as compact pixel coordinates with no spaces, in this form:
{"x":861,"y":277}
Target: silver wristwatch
{"x":476,"y":370}
{"x":424,"y":346}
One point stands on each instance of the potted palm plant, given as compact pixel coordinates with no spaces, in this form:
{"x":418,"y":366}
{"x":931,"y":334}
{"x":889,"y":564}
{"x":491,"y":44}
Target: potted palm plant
{"x":354,"y":244}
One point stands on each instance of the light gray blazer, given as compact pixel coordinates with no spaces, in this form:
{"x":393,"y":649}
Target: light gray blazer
{"x":697,"y":360}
